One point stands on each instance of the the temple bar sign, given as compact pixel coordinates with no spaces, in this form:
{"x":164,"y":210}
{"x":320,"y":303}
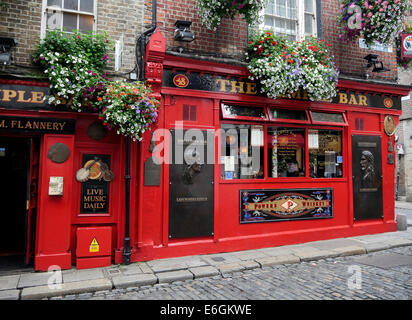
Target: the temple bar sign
{"x":41,"y":125}
{"x":235,"y":85}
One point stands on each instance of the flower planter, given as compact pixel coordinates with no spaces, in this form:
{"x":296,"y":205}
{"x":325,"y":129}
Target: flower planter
{"x":284,"y":67}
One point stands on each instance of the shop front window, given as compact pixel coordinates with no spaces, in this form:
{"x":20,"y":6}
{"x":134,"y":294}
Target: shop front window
{"x":242,"y":151}
{"x":286,"y":152}
{"x":325,"y":153}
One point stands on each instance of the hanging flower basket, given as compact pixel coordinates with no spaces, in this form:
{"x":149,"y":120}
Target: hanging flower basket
{"x":128,"y":108}
{"x":283,"y":67}
{"x":403,"y":62}
{"x":374,"y":20}
{"x":213,"y":11}
{"x":74,"y":64}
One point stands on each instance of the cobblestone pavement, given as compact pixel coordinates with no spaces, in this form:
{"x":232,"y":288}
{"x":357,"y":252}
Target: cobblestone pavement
{"x":342,"y":278}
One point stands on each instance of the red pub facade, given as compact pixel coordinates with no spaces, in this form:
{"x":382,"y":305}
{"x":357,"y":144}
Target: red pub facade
{"x":324,"y":169}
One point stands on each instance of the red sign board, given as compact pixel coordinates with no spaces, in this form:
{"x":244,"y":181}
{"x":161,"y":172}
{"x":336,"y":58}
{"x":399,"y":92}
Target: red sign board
{"x":406,"y":45}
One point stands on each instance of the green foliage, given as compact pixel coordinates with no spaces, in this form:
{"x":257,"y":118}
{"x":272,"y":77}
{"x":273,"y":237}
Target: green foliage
{"x":75,"y":66}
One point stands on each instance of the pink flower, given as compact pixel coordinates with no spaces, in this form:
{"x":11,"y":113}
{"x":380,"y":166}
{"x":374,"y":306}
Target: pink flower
{"x":369,"y":14}
{"x":381,"y":10}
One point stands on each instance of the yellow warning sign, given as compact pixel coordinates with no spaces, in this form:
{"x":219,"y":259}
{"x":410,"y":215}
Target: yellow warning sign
{"x":94,"y":246}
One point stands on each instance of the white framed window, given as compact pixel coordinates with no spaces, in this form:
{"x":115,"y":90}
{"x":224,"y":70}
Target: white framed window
{"x":294,"y":19}
{"x":67,"y":15}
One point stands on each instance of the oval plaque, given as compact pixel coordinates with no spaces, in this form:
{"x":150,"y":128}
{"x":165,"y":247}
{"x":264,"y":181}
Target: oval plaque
{"x":96,"y":131}
{"x":58,"y":153}
{"x":389,"y":125}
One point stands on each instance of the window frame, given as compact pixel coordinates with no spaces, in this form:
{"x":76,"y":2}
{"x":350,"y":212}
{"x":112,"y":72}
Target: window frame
{"x":244,"y":118}
{"x":327,"y":123}
{"x":300,"y":20}
{"x":291,"y":121}
{"x":306,"y":125}
{"x":46,"y":8}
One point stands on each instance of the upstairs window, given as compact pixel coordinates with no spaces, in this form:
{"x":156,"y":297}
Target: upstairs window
{"x":291,"y":18}
{"x":68,"y":15}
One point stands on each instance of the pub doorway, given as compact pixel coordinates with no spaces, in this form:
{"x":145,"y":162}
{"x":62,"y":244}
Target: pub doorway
{"x":19,"y":159}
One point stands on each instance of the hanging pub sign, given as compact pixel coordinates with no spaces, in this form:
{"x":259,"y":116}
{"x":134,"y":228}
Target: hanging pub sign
{"x":95,"y":177}
{"x":406,"y":45}
{"x":236,"y":85}
{"x":281,"y":205}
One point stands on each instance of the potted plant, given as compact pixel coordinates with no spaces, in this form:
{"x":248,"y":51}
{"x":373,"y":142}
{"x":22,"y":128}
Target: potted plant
{"x":212,"y":11}
{"x":374,"y":20}
{"x":283,"y":67}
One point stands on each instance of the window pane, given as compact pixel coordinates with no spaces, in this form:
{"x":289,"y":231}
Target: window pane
{"x":54,"y":20}
{"x":268,"y":22}
{"x":242,"y":152}
{"x":54,"y":3}
{"x":308,"y":23}
{"x":86,"y":5}
{"x":269,"y":9}
{"x":292,"y":9}
{"x":309,"y":6}
{"x":242,"y":111}
{"x":288,"y":114}
{"x":71,"y":4}
{"x":325,"y":153}
{"x":281,"y":8}
{"x":69,"y":21}
{"x":327,"y":117}
{"x":85,"y":23}
{"x":286,"y":152}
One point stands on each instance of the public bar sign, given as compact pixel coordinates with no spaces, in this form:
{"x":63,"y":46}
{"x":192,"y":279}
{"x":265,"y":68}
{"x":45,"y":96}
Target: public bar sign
{"x":281,"y":205}
{"x":40,"y":125}
{"x":236,"y":85}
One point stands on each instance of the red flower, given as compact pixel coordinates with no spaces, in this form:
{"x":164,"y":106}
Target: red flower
{"x":274,"y":43}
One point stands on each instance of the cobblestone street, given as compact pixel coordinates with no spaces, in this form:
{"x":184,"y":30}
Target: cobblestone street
{"x":327,"y":279}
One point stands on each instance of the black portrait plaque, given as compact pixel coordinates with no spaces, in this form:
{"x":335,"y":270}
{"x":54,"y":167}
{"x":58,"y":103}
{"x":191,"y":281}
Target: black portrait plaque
{"x":190,"y":186}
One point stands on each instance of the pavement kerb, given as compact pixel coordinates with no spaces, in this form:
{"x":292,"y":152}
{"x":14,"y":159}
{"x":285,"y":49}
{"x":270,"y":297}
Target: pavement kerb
{"x":126,"y":281}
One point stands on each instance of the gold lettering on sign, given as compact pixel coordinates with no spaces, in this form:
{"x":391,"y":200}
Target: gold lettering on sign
{"x":8,"y":95}
{"x":352,"y":99}
{"x":237,"y":87}
{"x":343,"y":98}
{"x":19,"y":96}
{"x":233,"y":86}
{"x":95,"y":198}
{"x":30,"y":124}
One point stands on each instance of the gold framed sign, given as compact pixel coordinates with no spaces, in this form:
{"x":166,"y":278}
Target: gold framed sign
{"x":389,"y":125}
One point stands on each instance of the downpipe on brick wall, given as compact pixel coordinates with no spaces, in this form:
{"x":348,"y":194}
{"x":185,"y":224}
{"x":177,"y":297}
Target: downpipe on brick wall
{"x":141,"y":41}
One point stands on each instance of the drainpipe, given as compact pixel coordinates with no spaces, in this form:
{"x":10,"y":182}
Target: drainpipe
{"x":126,"y":248}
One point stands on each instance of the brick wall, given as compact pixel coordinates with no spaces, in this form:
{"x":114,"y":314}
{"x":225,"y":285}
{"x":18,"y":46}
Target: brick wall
{"x":228,"y":41}
{"x":22,"y":21}
{"x":230,"y":38}
{"x":348,"y":56}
